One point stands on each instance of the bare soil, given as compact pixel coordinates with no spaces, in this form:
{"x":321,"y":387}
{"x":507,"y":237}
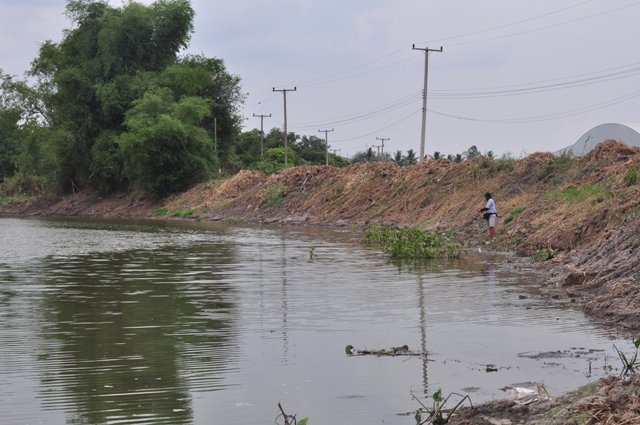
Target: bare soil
{"x":581,"y":216}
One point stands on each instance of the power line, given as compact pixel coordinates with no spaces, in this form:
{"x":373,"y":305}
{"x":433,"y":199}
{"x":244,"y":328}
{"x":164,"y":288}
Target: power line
{"x":571,"y":21}
{"x":546,"y":117}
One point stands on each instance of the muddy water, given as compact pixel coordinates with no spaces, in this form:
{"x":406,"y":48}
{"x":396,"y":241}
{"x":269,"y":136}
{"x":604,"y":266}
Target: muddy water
{"x":106,"y":322}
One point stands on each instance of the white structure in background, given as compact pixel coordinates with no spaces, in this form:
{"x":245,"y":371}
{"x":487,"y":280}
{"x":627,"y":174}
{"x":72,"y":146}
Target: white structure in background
{"x":611,"y":131}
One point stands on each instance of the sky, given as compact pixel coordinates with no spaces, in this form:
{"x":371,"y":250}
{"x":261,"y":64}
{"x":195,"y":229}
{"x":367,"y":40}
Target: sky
{"x":514,"y":77}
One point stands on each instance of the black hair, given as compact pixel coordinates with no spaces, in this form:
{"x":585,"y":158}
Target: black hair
{"x":487,"y":195}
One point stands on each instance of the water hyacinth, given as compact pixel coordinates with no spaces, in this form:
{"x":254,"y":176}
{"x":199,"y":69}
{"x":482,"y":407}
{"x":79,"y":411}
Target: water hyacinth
{"x":410,"y":242}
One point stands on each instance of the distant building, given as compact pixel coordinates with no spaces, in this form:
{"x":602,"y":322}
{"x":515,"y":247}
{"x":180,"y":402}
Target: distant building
{"x":611,"y":131}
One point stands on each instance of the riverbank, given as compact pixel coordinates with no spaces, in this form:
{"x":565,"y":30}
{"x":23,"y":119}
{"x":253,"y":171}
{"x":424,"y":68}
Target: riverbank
{"x":579,"y":218}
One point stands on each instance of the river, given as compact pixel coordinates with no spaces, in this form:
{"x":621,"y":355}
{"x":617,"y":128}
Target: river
{"x":152,"y":322}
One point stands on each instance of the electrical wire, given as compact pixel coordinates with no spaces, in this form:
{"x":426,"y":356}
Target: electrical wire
{"x":378,"y":130}
{"x":361,"y":116}
{"x":571,"y":21}
{"x":546,"y":117}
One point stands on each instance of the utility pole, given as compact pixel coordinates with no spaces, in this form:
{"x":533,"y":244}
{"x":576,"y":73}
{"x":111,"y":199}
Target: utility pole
{"x":426,"y":51}
{"x":262,"y":117}
{"x":335,"y":151}
{"x":284,"y":95}
{"x":382,"y":139}
{"x":215,"y":135}
{"x":326,"y":145}
{"x":378,"y":148}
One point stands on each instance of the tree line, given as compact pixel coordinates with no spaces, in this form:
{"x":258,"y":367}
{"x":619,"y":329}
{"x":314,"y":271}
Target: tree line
{"x":114,"y":107}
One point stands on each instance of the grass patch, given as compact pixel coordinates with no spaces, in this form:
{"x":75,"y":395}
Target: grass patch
{"x":402,"y":187}
{"x":165,"y":212}
{"x":410,"y":242}
{"x":557,"y":168}
{"x":631,"y":177}
{"x":544,"y":254}
{"x":233,"y":221}
{"x":584,"y":192}
{"x":338,"y":188}
{"x":161,"y":212}
{"x":183,"y":213}
{"x":274,"y":195}
{"x":513,"y":214}
{"x":17,"y":198}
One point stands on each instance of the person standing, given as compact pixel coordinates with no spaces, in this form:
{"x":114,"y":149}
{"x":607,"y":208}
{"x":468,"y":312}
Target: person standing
{"x":490,"y":214}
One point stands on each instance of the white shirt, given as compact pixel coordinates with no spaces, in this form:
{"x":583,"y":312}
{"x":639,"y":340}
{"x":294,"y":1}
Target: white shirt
{"x":491,"y":206}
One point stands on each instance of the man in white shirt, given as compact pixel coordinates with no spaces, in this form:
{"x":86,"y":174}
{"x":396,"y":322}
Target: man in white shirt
{"x":490,"y":214}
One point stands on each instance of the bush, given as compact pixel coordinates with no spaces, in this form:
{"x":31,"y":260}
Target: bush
{"x":274,"y":195}
{"x":410,"y":242}
{"x":631,"y":177}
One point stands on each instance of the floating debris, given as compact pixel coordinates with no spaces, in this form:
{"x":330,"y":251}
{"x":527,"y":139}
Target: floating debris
{"x":393,"y":351}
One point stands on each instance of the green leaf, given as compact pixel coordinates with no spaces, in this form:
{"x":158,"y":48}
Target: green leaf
{"x":303,"y":421}
{"x":437,"y":396}
{"x":637,"y":343}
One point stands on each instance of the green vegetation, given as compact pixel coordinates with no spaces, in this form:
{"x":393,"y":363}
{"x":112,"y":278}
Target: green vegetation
{"x":402,"y":187}
{"x":585,"y":192}
{"x":165,"y":212}
{"x":410,"y":242}
{"x":544,"y":254}
{"x":112,"y":106}
{"x":630,"y":364}
{"x":631,"y":177}
{"x":556,"y":169}
{"x":513,"y":214}
{"x":274,"y":195}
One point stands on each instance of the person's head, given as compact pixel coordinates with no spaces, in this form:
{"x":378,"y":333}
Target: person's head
{"x":487,"y":196}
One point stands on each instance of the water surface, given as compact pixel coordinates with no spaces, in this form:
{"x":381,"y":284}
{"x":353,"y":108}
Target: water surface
{"x":119,"y":322}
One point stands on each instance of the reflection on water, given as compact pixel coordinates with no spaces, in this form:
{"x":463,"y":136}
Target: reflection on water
{"x":108,"y":322}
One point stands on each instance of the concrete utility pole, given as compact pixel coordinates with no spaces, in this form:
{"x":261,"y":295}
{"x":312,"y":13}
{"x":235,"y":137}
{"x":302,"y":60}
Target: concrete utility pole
{"x":382,"y":139}
{"x":215,"y":135}
{"x":326,"y":145}
{"x":335,"y":151}
{"x":378,"y":148}
{"x":426,"y":51}
{"x":262,"y":117}
{"x":284,"y":95}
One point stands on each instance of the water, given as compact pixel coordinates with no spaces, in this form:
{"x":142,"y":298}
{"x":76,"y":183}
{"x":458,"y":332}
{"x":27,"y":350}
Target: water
{"x":113,"y":322}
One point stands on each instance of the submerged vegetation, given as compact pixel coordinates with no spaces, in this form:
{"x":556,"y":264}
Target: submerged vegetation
{"x":410,"y":242}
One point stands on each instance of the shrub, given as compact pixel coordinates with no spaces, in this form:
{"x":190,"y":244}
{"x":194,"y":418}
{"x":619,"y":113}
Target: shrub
{"x":410,"y":242}
{"x":631,"y":177}
{"x":274,"y":195}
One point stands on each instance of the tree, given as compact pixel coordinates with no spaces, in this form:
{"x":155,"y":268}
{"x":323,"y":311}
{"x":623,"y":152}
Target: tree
{"x":109,"y":61}
{"x":398,"y":158}
{"x":411,"y":158}
{"x":437,"y":155}
{"x":164,"y":148}
{"x":471,"y":153}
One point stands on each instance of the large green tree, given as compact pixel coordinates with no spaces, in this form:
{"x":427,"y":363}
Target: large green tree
{"x":92,"y":85}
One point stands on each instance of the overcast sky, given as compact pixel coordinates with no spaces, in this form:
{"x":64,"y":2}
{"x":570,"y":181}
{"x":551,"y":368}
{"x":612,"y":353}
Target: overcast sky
{"x":515,"y":76}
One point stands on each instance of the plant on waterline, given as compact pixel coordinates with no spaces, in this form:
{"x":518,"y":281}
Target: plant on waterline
{"x":544,"y":254}
{"x":410,"y":242}
{"x":630,"y":365}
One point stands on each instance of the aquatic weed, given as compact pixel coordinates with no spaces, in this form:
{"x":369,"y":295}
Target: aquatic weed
{"x":410,"y":242}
